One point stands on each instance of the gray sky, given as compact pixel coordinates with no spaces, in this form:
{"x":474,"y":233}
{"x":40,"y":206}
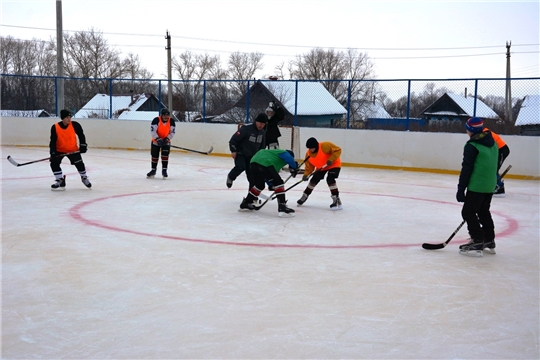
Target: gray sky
{"x":404,"y":39}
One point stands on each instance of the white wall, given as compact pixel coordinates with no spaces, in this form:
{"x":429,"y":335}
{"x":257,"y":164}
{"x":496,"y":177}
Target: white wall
{"x":396,"y":149}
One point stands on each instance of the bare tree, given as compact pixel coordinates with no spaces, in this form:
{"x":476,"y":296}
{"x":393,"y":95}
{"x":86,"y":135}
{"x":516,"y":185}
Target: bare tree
{"x":27,"y":57}
{"x":243,"y":66}
{"x":194,"y":69}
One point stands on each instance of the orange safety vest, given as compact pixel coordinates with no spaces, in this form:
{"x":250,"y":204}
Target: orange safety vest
{"x":500,"y":142}
{"x":66,"y":139}
{"x":163,"y":129}
{"x":321,"y":158}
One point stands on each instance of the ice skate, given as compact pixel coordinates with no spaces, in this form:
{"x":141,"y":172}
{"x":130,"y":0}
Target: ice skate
{"x":489,"y":247}
{"x":285,"y":211}
{"x":472,"y":248}
{"x":164,"y":174}
{"x":302,"y":200}
{"x":59,"y":184}
{"x":229,"y":182}
{"x":336,"y":203}
{"x":86,"y":182}
{"x":246,"y":206}
{"x":151,"y":174}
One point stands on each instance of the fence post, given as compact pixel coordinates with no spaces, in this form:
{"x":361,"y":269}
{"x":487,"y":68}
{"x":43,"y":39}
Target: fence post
{"x":408,"y":99}
{"x":247,"y":101}
{"x":110,"y":98}
{"x":475,"y":96}
{"x":204,"y":102}
{"x":295,"y":103}
{"x":159,"y":96}
{"x":348,"y":104}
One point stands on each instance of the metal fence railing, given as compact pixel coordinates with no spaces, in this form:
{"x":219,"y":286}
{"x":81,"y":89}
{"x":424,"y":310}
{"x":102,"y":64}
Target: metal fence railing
{"x":418,"y":105}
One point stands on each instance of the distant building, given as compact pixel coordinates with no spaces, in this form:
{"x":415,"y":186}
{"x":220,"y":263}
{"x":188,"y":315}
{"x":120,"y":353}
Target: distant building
{"x":453,"y":107}
{"x":313,"y":104}
{"x":25,"y":113}
{"x":528,"y":118}
{"x":123,"y":107}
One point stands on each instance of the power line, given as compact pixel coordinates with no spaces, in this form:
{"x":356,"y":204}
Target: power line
{"x":280,"y":45}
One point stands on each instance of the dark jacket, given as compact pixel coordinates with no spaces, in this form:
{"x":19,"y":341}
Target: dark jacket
{"x":272,"y":130}
{"x":248,"y":140}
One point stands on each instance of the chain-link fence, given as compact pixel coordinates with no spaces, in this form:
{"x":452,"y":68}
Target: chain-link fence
{"x":413,"y":105}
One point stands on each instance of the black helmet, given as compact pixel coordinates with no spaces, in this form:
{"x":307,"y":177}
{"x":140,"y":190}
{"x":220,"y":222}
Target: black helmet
{"x":165,"y":111}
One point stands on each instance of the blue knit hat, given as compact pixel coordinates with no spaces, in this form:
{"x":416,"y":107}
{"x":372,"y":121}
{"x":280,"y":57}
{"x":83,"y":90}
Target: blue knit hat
{"x":474,"y":125}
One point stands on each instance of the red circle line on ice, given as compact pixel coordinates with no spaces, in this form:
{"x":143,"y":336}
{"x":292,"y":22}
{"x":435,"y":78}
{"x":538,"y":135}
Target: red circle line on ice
{"x":76,"y":213}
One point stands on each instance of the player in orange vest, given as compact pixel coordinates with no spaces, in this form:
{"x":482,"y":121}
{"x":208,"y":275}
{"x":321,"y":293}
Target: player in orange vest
{"x":162,"y":129}
{"x":504,"y":151}
{"x":323,"y":160}
{"x":64,"y":143}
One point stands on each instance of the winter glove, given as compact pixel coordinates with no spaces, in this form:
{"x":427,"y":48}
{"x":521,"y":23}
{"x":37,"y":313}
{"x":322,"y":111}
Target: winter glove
{"x":460,"y":195}
{"x":83,"y":148}
{"x":329,"y":162}
{"x":294,"y":171}
{"x":305,"y":178}
{"x":159,"y":142}
{"x":272,"y":105}
{"x":53,"y":154}
{"x":166,"y":141}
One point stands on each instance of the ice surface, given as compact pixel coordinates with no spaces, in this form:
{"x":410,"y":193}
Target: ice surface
{"x":150,"y":268}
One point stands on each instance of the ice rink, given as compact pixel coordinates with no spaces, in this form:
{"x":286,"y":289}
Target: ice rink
{"x":138,"y":268}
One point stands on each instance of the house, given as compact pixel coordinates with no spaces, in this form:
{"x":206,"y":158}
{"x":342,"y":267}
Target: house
{"x":25,"y":113}
{"x":124,"y":107}
{"x":313,"y":105}
{"x":528,"y":118}
{"x":455,"y":107}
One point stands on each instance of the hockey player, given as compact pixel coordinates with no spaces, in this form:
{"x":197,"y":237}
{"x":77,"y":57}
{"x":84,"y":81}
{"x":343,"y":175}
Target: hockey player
{"x":162,"y":130}
{"x":325,"y":157}
{"x":245,"y":142}
{"x":504,"y":151}
{"x":265,"y":166}
{"x":275,"y":114}
{"x":478,"y":176}
{"x":63,"y":141}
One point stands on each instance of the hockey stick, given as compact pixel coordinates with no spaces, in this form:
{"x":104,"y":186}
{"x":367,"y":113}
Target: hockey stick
{"x":11,"y":160}
{"x":443,"y":245}
{"x":195,"y":151}
{"x":273,"y":195}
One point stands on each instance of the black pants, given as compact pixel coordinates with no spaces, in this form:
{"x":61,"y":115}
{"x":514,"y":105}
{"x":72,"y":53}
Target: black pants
{"x":476,"y":213}
{"x":241,"y":164}
{"x":154,"y":153}
{"x":262,"y":174}
{"x":75,"y":159}
{"x":503,"y":154}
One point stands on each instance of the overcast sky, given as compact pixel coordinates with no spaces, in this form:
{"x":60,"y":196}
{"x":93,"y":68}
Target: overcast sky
{"x":404,"y":39}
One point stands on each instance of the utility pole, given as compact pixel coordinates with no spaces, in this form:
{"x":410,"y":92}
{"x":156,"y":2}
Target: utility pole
{"x":508,"y":96}
{"x":59,"y":58}
{"x":169,"y":70}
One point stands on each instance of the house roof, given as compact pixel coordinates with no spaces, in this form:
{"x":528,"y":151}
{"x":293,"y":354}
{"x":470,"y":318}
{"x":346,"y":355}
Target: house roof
{"x":467,"y":104}
{"x":371,"y":110}
{"x":313,"y":98}
{"x":465,"y":107}
{"x":99,"y":105}
{"x":529,"y":114}
{"x":138,"y":115}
